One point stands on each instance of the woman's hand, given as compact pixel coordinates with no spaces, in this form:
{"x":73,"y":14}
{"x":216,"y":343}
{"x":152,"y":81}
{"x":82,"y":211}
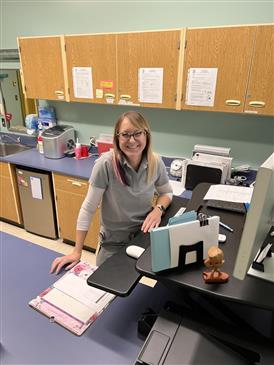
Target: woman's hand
{"x":153,"y":219}
{"x":59,"y":262}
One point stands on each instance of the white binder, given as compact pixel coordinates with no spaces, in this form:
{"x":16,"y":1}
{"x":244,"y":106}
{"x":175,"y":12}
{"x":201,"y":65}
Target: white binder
{"x":186,"y":234}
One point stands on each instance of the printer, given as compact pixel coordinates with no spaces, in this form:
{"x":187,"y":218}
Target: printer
{"x":55,"y":140}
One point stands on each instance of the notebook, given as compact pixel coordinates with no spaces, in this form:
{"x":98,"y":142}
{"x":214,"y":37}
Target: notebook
{"x":71,"y":302}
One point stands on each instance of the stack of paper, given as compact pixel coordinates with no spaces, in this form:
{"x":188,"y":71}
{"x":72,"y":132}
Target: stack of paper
{"x":229,"y":193}
{"x":212,"y":150}
{"x":71,"y":302}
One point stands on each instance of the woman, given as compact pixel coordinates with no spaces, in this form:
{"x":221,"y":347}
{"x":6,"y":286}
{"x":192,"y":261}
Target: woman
{"x":124,"y":182}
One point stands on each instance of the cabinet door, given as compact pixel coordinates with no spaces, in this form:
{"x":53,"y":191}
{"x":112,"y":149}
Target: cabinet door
{"x":95,"y":56}
{"x":230,"y":51}
{"x":148,"y":50}
{"x":42,"y":66}
{"x":10,"y":208}
{"x":70,"y":193}
{"x":260,"y":95}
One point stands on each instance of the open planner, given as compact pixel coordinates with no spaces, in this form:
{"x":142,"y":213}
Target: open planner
{"x":71,"y":302}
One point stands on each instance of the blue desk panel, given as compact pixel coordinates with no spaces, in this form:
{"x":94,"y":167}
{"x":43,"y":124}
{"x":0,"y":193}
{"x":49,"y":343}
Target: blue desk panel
{"x":28,"y":337}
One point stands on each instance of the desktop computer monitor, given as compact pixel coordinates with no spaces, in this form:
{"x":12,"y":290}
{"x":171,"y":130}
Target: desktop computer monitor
{"x":259,"y":219}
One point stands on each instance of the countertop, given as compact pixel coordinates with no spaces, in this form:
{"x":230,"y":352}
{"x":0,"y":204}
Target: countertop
{"x":67,"y":166}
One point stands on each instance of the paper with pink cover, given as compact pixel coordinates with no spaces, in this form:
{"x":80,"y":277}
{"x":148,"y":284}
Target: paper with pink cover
{"x":71,"y":302}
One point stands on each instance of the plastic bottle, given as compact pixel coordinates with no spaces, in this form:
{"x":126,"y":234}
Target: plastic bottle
{"x":40,"y":144}
{"x":40,"y":138}
{"x":77,"y":149}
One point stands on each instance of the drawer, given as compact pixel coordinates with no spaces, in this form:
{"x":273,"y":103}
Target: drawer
{"x":4,"y":169}
{"x":70,"y":184}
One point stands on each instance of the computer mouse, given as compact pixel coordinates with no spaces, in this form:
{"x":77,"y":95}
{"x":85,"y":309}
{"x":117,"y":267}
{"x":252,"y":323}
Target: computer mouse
{"x":134,"y":251}
{"x":222,"y":238}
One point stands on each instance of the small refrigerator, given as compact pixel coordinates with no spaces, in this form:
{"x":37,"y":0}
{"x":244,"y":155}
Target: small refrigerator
{"x":37,"y":203}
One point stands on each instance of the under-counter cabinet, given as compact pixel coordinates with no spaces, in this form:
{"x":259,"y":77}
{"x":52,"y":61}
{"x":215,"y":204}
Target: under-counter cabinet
{"x":10,"y":208}
{"x":69,"y":195}
{"x":92,"y":57}
{"x":43,"y":66}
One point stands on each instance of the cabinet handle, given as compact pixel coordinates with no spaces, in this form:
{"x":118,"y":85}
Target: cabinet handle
{"x":125,"y":97}
{"x":59,"y":92}
{"x":257,"y":104}
{"x":108,"y":95}
{"x":76,"y":183}
{"x":233,"y":102}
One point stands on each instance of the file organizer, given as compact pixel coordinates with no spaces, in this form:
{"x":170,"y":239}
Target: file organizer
{"x":183,"y":243}
{"x":71,"y":302}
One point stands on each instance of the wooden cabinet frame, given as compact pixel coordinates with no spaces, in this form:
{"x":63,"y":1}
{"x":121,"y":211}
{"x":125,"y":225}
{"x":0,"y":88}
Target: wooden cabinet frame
{"x":243,"y":55}
{"x":43,"y":64}
{"x":10,"y":207}
{"x":69,"y":194}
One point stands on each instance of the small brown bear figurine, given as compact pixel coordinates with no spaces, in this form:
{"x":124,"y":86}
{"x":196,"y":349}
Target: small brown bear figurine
{"x":214,"y":261}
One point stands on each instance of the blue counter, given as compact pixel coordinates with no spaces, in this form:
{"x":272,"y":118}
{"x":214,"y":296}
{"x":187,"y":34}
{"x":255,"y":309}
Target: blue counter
{"x":67,"y":166}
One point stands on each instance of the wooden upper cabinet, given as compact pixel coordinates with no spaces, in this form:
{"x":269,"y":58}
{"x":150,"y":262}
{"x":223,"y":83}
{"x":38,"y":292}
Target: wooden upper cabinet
{"x":228,"y":49}
{"x":147,"y":50}
{"x":260,"y":94}
{"x":42,"y":62}
{"x":97,"y":54}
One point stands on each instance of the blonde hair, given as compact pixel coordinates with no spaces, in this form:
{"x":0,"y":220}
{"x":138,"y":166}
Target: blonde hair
{"x":139,"y":122}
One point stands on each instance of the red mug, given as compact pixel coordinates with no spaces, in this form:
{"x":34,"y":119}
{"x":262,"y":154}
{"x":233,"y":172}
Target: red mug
{"x":84,"y":151}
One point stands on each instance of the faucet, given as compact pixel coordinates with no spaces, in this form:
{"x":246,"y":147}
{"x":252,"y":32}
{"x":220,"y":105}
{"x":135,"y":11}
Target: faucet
{"x":13,"y":139}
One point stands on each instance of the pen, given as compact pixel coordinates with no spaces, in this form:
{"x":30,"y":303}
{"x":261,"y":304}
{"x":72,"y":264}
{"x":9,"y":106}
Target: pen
{"x":226,"y":226}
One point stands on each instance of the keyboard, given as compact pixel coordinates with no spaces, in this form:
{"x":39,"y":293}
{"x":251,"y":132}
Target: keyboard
{"x":225,"y":205}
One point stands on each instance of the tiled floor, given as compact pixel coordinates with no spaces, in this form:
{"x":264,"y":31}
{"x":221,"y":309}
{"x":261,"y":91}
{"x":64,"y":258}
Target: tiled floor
{"x":55,"y":245}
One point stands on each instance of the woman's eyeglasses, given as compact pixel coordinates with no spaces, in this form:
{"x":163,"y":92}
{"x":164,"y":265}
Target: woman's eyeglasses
{"x":136,"y":135}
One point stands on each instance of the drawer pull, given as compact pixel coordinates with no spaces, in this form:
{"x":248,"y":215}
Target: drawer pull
{"x":125,"y":97}
{"x":257,"y":104}
{"x":76,"y":183}
{"x":108,"y":95}
{"x":233,"y":102}
{"x":59,"y":92}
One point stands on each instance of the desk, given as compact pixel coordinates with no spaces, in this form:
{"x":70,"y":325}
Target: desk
{"x":27,"y":337}
{"x":245,"y":308}
{"x":118,"y":274}
{"x":251,"y":291}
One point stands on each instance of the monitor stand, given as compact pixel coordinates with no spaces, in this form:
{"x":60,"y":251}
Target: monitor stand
{"x":268,"y":273}
{"x":263,"y":264}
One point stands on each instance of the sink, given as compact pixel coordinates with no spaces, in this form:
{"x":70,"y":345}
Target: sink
{"x":11,"y":148}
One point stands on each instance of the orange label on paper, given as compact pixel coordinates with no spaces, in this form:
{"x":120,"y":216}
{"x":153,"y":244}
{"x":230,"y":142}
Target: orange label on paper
{"x":106,"y":84}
